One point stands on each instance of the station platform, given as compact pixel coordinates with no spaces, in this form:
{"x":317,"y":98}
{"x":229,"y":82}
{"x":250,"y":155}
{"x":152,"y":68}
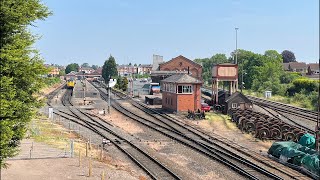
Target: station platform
{"x":85,"y":94}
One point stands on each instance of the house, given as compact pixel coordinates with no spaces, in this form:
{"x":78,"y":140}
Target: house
{"x":237,"y":101}
{"x":144,"y":68}
{"x":295,"y":67}
{"x":313,"y":69}
{"x":285,"y":66}
{"x":181,"y":92}
{"x":125,"y":70}
{"x":53,"y":71}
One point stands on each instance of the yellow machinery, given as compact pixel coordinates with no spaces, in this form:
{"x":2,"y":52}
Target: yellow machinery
{"x":70,"y":83}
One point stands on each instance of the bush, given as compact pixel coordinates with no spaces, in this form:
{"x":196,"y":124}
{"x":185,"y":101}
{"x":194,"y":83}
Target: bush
{"x":49,"y":81}
{"x":299,"y":84}
{"x":307,"y":100}
{"x":288,"y":77}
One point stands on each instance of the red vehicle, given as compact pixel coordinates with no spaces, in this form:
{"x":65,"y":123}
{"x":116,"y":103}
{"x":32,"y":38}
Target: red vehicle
{"x":205,"y":107}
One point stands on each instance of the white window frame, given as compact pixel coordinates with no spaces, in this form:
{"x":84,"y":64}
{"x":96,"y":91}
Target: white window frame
{"x":186,"y":89}
{"x":234,"y":105}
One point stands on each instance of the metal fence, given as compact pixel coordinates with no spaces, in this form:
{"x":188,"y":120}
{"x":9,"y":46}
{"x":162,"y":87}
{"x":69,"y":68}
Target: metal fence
{"x":36,"y":150}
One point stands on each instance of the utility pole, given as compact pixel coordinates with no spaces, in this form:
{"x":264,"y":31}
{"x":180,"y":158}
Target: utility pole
{"x":236,"y":62}
{"x":109,"y":95}
{"x":242,"y":77}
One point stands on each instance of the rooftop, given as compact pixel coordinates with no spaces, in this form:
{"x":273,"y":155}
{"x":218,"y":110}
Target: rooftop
{"x":314,"y":66}
{"x":182,"y":78}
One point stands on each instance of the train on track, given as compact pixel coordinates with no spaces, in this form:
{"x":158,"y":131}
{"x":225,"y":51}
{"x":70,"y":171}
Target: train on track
{"x":71,"y":83}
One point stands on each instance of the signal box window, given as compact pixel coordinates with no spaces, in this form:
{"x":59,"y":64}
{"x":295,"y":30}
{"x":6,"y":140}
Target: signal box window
{"x":185,"y":89}
{"x":234,"y":105}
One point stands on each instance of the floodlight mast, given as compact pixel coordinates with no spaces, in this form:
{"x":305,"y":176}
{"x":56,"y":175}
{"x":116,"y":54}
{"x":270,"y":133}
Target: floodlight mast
{"x":236,"y":61}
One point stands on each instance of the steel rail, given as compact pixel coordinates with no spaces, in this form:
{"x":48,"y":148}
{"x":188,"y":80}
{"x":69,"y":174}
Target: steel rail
{"x":212,"y":152}
{"x":146,"y":162}
{"x":208,"y":138}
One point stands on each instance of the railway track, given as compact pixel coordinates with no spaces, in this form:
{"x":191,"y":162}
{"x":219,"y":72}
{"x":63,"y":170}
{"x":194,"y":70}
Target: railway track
{"x":293,"y":123}
{"x":286,"y":111}
{"x":204,"y":145}
{"x":283,"y":108}
{"x":308,"y":113}
{"x":52,"y":94}
{"x":150,"y":165}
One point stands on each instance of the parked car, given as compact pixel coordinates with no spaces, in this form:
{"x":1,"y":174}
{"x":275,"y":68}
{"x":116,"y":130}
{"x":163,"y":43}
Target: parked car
{"x":205,"y":107}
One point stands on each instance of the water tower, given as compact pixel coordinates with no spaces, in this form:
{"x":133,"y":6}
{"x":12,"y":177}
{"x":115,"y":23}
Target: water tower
{"x":224,"y":72}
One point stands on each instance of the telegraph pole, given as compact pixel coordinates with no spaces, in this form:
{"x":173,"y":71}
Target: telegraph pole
{"x":242,"y":77}
{"x":236,"y":62}
{"x":109,"y":95}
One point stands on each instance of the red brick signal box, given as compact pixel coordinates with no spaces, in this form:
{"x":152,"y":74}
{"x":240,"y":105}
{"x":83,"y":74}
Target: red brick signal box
{"x":181,"y":92}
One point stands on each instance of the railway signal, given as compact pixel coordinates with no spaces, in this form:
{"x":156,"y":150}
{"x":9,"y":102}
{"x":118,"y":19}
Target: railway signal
{"x":111,"y":84}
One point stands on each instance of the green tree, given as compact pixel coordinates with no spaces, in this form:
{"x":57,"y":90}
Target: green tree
{"x":86,"y":65}
{"x":125,"y":82}
{"x":62,"y":73}
{"x":207,"y":64}
{"x":288,"y":56}
{"x":21,"y":69}
{"x":267,"y":76}
{"x":247,"y":60}
{"x":71,"y":67}
{"x":109,"y":69}
{"x":95,"y":67}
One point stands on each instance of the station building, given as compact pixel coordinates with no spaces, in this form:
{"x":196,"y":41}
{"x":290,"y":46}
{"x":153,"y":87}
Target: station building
{"x":181,"y":92}
{"x":177,"y":65}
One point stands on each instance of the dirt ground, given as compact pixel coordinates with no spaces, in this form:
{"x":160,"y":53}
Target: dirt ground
{"x":57,"y":168}
{"x":221,"y":124}
{"x":50,"y":160}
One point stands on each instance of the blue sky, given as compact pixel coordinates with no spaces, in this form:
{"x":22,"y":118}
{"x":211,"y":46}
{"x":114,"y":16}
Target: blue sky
{"x":133,"y":30}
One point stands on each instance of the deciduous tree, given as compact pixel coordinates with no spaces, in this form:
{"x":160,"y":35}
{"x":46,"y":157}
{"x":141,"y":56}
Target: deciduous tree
{"x":72,"y":67}
{"x":95,"y":67}
{"x":21,"y":69}
{"x":86,"y":65}
{"x":109,"y":69}
{"x":288,"y":56}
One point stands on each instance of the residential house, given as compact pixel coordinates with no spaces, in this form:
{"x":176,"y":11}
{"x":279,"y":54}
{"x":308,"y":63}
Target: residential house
{"x":313,"y":69}
{"x":128,"y":70}
{"x":295,"y":67}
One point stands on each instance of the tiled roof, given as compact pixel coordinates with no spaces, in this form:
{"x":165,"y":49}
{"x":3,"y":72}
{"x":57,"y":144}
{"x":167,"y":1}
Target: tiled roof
{"x":285,"y":66}
{"x":298,"y":65}
{"x":182,"y":78}
{"x":85,"y":68}
{"x":145,"y":65}
{"x":182,"y":58}
{"x":236,"y":94}
{"x":314,"y":66}
{"x":72,"y":73}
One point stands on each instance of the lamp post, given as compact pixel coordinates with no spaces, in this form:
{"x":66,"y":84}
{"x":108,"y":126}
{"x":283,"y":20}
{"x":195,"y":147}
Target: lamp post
{"x":241,"y":77}
{"x":236,"y":61}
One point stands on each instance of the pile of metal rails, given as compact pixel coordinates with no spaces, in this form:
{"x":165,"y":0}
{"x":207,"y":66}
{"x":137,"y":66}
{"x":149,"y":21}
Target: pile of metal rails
{"x":264,"y":126}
